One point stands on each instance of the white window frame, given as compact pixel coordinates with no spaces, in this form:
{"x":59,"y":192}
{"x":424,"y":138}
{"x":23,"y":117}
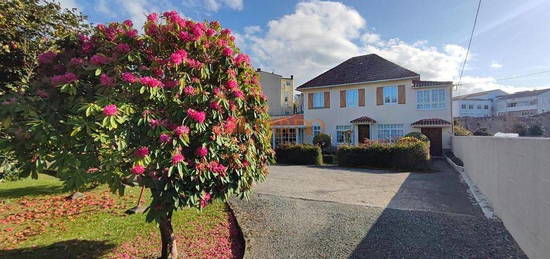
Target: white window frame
{"x":431,"y":99}
{"x":285,"y":136}
{"x":352,"y":98}
{"x":318,"y":100}
{"x":390,"y":132}
{"x":316,"y":130}
{"x":390,"y":94}
{"x":341,"y":131}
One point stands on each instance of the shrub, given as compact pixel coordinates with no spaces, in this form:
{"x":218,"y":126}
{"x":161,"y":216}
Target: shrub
{"x":299,"y":154}
{"x":329,"y":159}
{"x":418,"y":136}
{"x":461,"y":131}
{"x":409,"y":154}
{"x":322,"y":140}
{"x":535,"y":130}
{"x":520,"y":129}
{"x":178,"y":110}
{"x":482,"y":132}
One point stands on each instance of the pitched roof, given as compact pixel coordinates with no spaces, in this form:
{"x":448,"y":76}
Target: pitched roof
{"x":360,"y":69}
{"x":473,"y":95}
{"x":434,"y":122}
{"x":288,"y":121}
{"x":422,"y":84}
{"x":524,"y":94}
{"x":363,"y":119}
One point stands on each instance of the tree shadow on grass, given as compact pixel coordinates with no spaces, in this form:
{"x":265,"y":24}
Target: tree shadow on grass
{"x":64,"y":249}
{"x":31,"y":191}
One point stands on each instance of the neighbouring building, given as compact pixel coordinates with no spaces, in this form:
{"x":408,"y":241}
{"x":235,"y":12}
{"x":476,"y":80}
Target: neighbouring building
{"x":279,"y":91}
{"x":480,"y":104}
{"x":526,"y":103}
{"x":369,"y":97}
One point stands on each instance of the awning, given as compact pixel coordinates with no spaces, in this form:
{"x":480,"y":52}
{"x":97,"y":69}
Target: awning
{"x":292,"y":121}
{"x":363,"y":120}
{"x":434,"y":122}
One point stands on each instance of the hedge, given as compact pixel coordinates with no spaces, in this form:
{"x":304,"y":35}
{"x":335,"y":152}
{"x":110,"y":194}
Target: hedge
{"x":299,"y":154}
{"x":402,"y":155}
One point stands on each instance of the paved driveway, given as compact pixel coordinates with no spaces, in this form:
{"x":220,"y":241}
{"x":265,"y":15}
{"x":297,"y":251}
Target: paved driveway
{"x":331,"y":212}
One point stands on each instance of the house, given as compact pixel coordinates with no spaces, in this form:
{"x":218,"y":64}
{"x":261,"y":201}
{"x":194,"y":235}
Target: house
{"x":369,"y":97}
{"x":524,"y":103}
{"x":481,"y":104}
{"x":279,"y":91}
{"x":287,"y":129}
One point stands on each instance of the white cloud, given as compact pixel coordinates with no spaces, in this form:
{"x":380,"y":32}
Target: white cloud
{"x":69,"y":4}
{"x":472,"y":84}
{"x":495,"y":65}
{"x":319,"y":35}
{"x":234,"y":4}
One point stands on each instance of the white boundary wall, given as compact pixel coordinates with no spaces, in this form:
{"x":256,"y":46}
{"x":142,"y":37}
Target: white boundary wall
{"x":514,"y":175}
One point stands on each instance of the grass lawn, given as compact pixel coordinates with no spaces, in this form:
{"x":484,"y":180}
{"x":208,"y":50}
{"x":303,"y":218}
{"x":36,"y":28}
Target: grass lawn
{"x":36,"y":221}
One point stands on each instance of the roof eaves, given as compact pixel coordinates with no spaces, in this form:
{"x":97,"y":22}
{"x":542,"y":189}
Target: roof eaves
{"x":299,"y":88}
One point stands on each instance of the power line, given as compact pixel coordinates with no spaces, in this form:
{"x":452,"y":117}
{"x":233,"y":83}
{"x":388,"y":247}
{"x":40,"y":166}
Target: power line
{"x":469,"y":43}
{"x":508,"y":78}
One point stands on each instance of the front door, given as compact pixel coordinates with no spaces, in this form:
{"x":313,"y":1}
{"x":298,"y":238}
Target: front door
{"x":435,"y":136}
{"x":364,"y":132}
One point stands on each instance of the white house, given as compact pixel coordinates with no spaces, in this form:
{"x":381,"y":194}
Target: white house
{"x":369,"y":97}
{"x":279,"y":91}
{"x":481,"y":104}
{"x":524,"y":103}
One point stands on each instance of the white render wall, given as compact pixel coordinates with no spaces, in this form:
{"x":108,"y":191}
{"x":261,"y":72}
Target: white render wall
{"x":542,"y":103}
{"x":475,"y":112}
{"x":405,"y":114}
{"x":514,"y":175}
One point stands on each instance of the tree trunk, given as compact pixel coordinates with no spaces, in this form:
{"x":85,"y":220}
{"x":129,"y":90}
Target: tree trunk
{"x":169,"y":249}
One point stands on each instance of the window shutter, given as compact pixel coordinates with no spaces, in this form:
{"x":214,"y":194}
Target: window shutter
{"x":343,"y":98}
{"x":327,"y":99}
{"x":379,"y":95}
{"x":361,"y":93}
{"x":310,"y":101}
{"x":401,"y":94}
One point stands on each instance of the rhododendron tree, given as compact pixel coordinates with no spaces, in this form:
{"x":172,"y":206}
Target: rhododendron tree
{"x":178,"y":110}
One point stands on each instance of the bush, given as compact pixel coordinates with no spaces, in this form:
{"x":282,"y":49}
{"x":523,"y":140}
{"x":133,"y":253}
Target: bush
{"x":535,"y":130}
{"x":329,"y":159}
{"x":418,"y":136}
{"x":461,"y":131}
{"x":401,"y":155}
{"x":482,"y":132}
{"x":322,"y":140}
{"x":299,"y":154}
{"x":520,"y":129}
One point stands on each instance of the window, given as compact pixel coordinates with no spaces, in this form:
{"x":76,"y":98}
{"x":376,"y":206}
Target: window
{"x":344,"y":134}
{"x":318,"y":100}
{"x":431,"y":99}
{"x":390,"y":132}
{"x":390,"y":94}
{"x":511,"y":104}
{"x":470,"y":107}
{"x":352,"y":97}
{"x":463,"y":106}
{"x":479,"y":106}
{"x":284,"y":136}
{"x":316,"y":130}
{"x":486,"y":107}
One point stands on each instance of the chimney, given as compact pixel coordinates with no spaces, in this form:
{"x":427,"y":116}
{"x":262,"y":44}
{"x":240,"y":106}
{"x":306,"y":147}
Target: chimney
{"x":291,"y":76}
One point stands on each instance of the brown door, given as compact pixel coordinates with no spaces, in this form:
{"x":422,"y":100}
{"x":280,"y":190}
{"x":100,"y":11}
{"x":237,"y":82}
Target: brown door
{"x":434,"y":134}
{"x":364,"y":132}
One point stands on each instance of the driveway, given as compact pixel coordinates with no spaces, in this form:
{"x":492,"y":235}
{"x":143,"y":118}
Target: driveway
{"x":331,"y":212}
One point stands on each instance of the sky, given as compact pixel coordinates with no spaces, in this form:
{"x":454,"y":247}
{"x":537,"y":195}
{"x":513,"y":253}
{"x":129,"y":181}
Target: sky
{"x":305,"y":38}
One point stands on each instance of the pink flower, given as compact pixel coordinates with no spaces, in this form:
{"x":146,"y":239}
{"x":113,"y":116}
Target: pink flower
{"x":228,"y":52}
{"x":204,"y":200}
{"x":189,"y":90}
{"x":181,"y":130}
{"x":142,"y":152}
{"x":232,"y":84}
{"x":201,"y":152}
{"x":215,"y":106}
{"x":241,"y":58}
{"x":158,"y":72}
{"x":153,"y":17}
{"x":63,"y":79}
{"x":194,"y":63}
{"x":226,"y":32}
{"x":132,"y":33}
{"x":110,"y":110}
{"x":197,"y":116}
{"x":123,"y":48}
{"x":87,"y":47}
{"x":210,"y":32}
{"x":164,"y":138}
{"x":170,"y":83}
{"x":47,"y":57}
{"x":185,"y":36}
{"x":99,"y":60}
{"x":217,"y":167}
{"x":128,"y":23}
{"x":151,"y":82}
{"x":238,"y":93}
{"x":230,"y":124}
{"x":154,"y":123}
{"x":129,"y":77}
{"x":177,"y":158}
{"x":138,"y":170}
{"x":105,"y":80}
{"x":178,"y":57}
{"x":76,"y":61}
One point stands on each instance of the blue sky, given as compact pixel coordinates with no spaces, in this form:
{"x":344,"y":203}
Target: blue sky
{"x":305,"y":38}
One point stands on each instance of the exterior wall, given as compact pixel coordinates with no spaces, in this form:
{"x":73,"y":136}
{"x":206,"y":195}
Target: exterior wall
{"x":514,"y":175}
{"x":299,"y":103}
{"x":271,"y":86}
{"x":475,"y":111}
{"x":525,"y":106}
{"x":404,"y":114}
{"x":287,"y":95}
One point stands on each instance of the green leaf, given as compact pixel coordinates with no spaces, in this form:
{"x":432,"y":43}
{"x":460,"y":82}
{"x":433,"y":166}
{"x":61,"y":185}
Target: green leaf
{"x":98,"y":71}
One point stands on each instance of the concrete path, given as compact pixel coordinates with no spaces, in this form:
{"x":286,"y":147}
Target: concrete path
{"x":330,"y":212}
